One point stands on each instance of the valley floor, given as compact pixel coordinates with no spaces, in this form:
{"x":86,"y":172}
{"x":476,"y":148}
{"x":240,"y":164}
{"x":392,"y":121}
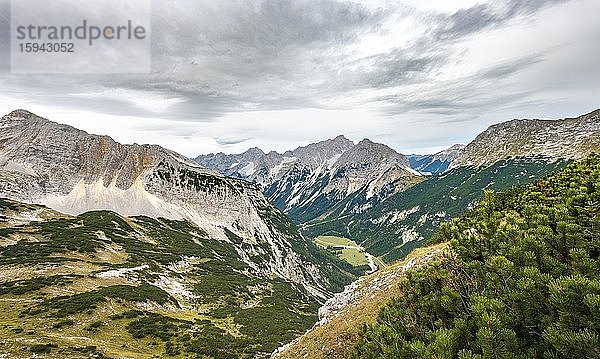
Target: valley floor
{"x":350,"y":251}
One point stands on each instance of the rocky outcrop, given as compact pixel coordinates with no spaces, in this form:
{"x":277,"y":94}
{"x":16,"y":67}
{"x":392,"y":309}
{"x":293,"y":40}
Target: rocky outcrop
{"x":360,"y":289}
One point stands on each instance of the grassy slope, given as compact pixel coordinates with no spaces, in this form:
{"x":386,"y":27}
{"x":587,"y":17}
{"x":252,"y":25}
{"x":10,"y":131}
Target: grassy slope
{"x":335,"y":338}
{"x":354,"y":257}
{"x":351,"y":255}
{"x":332,"y":241}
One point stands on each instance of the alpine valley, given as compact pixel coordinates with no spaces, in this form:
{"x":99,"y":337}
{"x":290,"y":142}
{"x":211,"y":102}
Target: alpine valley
{"x":132,"y":251}
{"x":135,"y":251}
{"x":512,"y":213}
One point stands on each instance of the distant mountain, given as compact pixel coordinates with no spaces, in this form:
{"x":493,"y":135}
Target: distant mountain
{"x":436,"y":163}
{"x":569,"y":138}
{"x":264,"y":168}
{"x":322,"y":180}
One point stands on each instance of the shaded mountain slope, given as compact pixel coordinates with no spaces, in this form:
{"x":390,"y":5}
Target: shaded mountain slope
{"x":406,"y":220}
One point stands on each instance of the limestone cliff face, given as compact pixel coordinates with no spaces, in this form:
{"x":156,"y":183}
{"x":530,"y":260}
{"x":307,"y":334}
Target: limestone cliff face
{"x":72,"y":171}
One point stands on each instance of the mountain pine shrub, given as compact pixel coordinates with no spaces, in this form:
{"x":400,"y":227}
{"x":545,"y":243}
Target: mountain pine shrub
{"x":522,"y":279}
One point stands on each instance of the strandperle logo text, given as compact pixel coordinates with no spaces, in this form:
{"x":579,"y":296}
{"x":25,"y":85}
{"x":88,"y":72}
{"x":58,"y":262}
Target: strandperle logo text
{"x":80,"y":36}
{"x":85,"y":31}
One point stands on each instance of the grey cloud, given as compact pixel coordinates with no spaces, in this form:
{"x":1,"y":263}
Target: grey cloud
{"x":255,"y":52}
{"x":277,"y":24}
{"x":474,"y":94}
{"x":232,"y":141}
{"x":66,"y":92}
{"x":482,"y":16}
{"x":220,"y":57}
{"x":510,"y":68}
{"x":276,"y":54}
{"x":467,"y":21}
{"x":246,"y":55}
{"x":479,"y":92}
{"x":4,"y":36}
{"x":252,"y":34}
{"x":399,"y":70}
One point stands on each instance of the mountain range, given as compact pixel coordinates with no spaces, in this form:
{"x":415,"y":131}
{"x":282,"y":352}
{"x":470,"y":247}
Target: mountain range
{"x":74,"y":172}
{"x":322,"y":180}
{"x":567,"y":138}
{"x":437,"y":163}
{"x":118,"y":250}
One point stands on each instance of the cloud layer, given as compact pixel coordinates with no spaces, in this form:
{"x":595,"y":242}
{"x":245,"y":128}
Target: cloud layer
{"x":418,"y":75}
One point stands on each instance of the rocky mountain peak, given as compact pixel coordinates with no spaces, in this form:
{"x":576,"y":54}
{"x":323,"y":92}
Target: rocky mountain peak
{"x":20,"y":115}
{"x":316,"y":154}
{"x":332,"y":176}
{"x":369,"y":152}
{"x":254,"y":151}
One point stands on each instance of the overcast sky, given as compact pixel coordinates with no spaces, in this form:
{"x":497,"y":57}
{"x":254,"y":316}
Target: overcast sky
{"x":417,"y":75}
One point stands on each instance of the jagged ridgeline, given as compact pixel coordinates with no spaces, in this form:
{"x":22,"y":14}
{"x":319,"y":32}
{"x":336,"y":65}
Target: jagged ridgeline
{"x":522,"y":279}
{"x":193,"y":263}
{"x":323,"y":180}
